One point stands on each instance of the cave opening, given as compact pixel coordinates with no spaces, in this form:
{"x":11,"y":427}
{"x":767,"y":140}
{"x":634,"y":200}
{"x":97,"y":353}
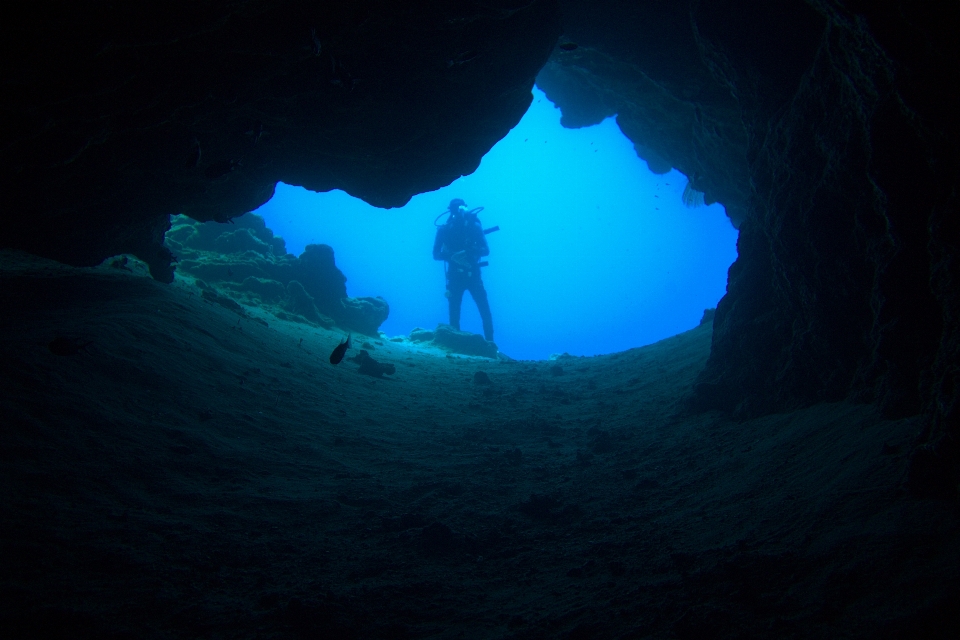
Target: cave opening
{"x":182,"y":453}
{"x":595,"y":253}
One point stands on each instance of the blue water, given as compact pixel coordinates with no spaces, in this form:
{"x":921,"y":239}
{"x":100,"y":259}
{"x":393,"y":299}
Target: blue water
{"x":595,"y":254}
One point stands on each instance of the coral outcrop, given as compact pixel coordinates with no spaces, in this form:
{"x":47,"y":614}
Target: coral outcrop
{"x":249,"y":264}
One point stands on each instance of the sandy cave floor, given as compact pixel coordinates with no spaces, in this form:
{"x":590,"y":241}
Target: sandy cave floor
{"x":192,"y":473}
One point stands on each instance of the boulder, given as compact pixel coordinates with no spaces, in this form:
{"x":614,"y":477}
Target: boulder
{"x":463,"y":342}
{"x":363,"y":315}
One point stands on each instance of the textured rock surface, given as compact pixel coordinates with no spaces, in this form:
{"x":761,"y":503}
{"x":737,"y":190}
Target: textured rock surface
{"x":830,"y":138}
{"x":471,"y":344}
{"x":246,"y":262}
{"x":181,"y":478}
{"x":687,"y":81}
{"x":118,"y":115}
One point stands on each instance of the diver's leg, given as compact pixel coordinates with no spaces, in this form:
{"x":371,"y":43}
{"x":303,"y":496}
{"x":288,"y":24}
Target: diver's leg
{"x":455,"y":298}
{"x":483,"y":305}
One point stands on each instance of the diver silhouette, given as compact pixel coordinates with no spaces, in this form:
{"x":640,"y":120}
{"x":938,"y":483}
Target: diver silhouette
{"x":460,"y":243}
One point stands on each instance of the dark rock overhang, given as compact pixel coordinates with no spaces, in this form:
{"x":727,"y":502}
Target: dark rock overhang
{"x":120,"y":115}
{"x":826,"y":128}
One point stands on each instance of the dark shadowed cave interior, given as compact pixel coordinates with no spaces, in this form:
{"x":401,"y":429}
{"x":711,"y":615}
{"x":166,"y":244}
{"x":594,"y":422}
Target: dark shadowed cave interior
{"x":178,"y":464}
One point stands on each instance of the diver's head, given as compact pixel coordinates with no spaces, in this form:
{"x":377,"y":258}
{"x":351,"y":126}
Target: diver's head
{"x":457,"y":207}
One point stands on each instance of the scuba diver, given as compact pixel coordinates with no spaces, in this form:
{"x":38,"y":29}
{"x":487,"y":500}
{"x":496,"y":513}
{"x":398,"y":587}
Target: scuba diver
{"x":460,"y":242}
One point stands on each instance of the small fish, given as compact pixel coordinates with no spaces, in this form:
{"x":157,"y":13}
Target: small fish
{"x":61,"y":346}
{"x":340,"y":351}
{"x":568,"y":46}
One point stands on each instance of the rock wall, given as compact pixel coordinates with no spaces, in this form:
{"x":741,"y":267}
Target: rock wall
{"x":826,"y":129}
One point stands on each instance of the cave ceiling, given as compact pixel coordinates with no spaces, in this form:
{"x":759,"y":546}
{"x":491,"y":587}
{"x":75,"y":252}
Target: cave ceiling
{"x":125,"y":114}
{"x":826,"y":128}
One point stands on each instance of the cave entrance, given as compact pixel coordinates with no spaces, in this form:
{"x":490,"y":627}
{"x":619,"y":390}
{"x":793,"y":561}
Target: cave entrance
{"x":595,"y":254}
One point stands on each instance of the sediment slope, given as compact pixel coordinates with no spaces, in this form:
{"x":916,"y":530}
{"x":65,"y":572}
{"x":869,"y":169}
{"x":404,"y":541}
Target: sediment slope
{"x":194,"y":472}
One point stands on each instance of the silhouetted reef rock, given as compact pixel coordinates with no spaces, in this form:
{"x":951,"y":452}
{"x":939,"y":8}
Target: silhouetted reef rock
{"x":364,"y":314}
{"x":320,"y":275}
{"x":245,"y":261}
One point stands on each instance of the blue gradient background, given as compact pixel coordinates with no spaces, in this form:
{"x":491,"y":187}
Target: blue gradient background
{"x":595,"y":254}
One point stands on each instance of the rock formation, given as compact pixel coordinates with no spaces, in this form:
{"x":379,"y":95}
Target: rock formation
{"x":449,"y":339}
{"x":823,"y":127}
{"x":827,"y":128}
{"x":119,"y":116}
{"x":248,"y":263}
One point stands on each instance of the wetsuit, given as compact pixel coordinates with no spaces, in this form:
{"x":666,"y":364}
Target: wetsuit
{"x":463,"y":233}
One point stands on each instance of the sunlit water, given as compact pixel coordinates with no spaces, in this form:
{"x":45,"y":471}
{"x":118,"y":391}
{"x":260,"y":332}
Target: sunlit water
{"x":595,"y":253}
